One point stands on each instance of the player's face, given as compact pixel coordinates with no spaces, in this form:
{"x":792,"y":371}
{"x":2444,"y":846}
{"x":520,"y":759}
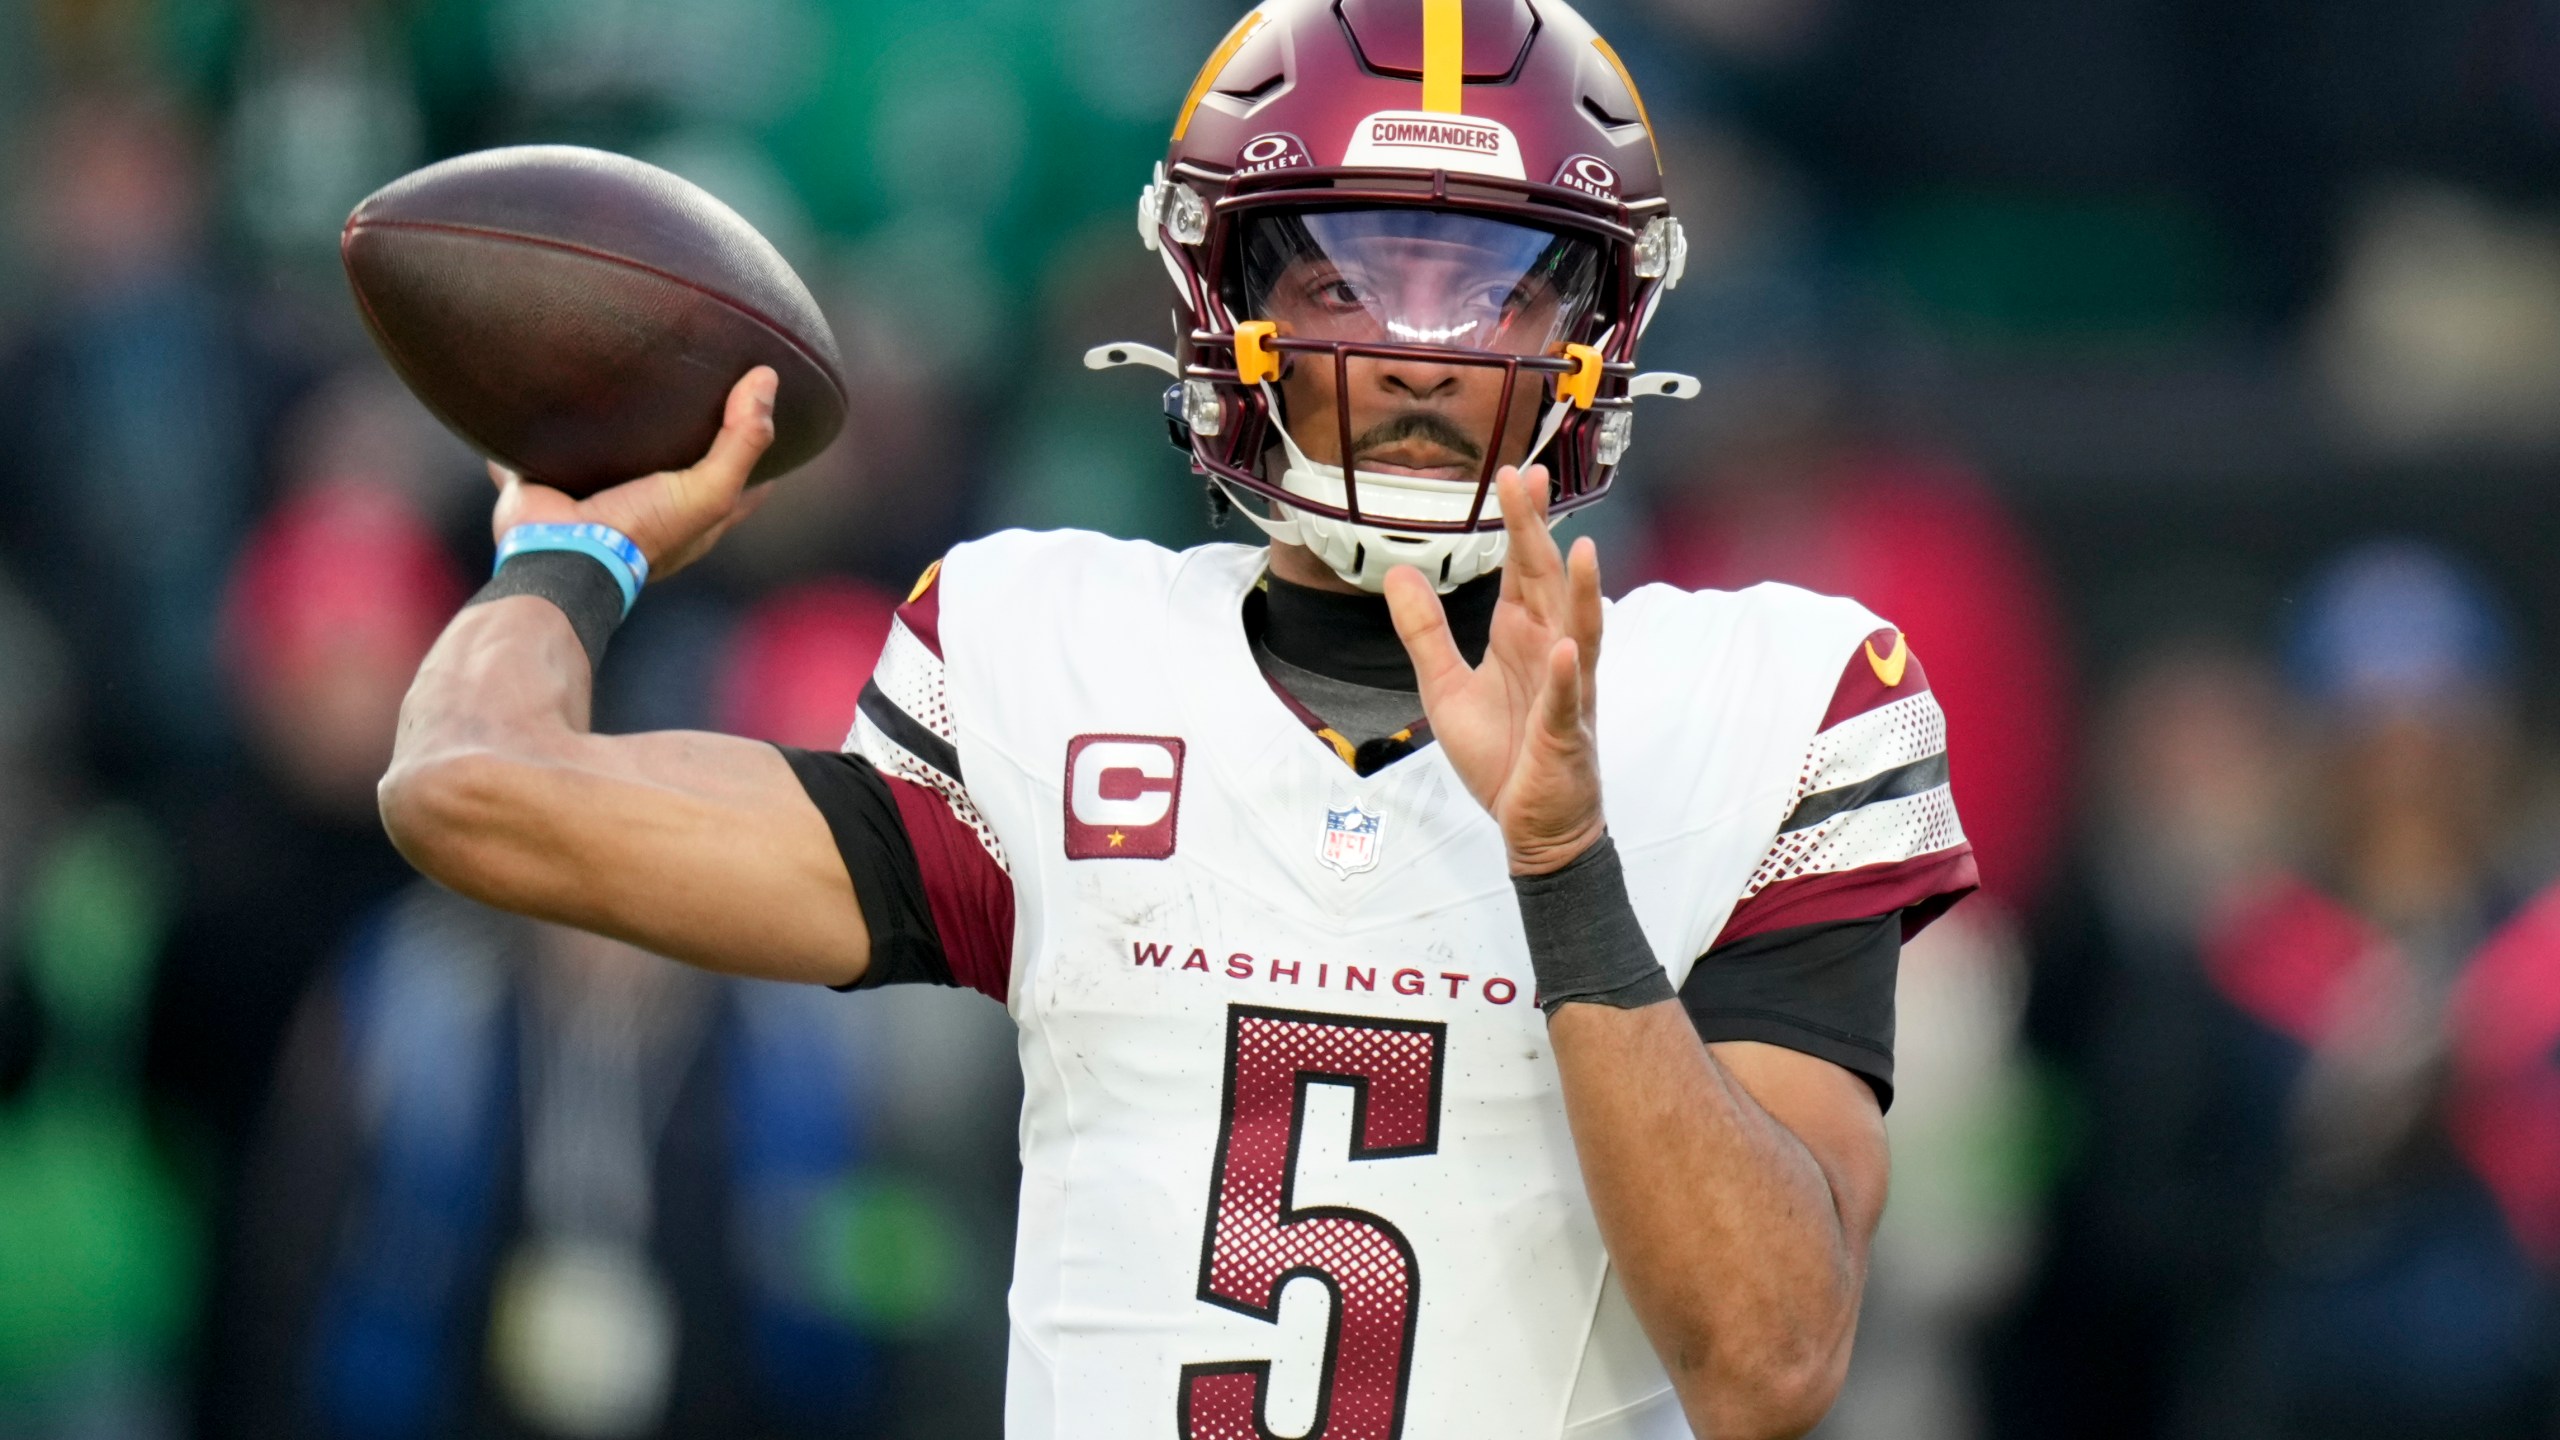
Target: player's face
{"x":1456,"y":284}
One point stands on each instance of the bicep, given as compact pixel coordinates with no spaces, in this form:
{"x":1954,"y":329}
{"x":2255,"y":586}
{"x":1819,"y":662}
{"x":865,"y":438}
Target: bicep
{"x":699,"y":847}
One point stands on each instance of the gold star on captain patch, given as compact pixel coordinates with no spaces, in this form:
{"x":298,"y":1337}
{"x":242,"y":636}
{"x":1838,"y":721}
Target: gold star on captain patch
{"x":1115,"y":837}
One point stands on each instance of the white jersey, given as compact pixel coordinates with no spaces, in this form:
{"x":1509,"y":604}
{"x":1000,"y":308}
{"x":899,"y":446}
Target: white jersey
{"x":1295,"y":1158}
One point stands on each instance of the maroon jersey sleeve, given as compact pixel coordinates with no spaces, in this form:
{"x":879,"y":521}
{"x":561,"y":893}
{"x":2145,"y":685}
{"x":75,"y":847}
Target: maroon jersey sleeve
{"x":1871,"y":828}
{"x":1869,"y":852}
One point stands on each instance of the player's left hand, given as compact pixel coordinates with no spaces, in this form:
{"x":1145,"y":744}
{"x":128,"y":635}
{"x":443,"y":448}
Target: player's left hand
{"x":1518,"y":728}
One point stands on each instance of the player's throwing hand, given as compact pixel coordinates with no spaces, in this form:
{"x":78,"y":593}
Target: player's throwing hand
{"x":1518,"y":728}
{"x":674,"y":516}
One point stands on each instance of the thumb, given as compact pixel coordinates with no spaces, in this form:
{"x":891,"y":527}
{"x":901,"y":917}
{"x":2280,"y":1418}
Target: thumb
{"x":746,"y":429}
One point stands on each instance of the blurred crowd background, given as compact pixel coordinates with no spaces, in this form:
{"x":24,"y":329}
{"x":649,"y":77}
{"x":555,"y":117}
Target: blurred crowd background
{"x":2182,"y":375}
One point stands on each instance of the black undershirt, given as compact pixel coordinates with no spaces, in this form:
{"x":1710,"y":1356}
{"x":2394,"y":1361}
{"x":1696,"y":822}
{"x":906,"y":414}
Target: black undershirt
{"x":1353,"y":638}
{"x":1821,"y":990}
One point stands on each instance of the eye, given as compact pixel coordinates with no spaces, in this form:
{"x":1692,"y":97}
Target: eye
{"x":1339,"y":294}
{"x":1526,"y":309}
{"x":1495,"y":303}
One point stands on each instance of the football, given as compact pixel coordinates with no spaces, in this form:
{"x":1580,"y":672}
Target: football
{"x":580,"y":316}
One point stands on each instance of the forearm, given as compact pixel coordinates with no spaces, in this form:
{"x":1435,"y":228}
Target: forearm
{"x":507,"y":676}
{"x":1741,"y":1261}
{"x":1737,"y":1191}
{"x":504,"y":693}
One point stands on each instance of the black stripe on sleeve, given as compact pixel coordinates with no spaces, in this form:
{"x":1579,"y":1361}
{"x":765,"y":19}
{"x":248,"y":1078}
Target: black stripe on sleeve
{"x":906,"y":949}
{"x":1893,"y":784}
{"x":907,"y":731}
{"x":1823,"y":990}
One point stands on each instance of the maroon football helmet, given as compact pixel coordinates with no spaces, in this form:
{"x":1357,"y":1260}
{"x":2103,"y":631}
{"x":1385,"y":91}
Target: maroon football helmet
{"x":1451,"y":182}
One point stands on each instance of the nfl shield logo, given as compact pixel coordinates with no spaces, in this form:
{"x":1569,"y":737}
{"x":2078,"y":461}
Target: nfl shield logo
{"x":1350,"y":843}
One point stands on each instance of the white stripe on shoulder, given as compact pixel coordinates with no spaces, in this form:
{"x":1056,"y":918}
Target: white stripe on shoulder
{"x":915,"y":680}
{"x":1882,"y":833}
{"x":1868,"y":744}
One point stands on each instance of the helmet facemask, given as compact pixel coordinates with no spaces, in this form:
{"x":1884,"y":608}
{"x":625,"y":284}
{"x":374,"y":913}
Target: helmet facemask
{"x":1426,"y":346}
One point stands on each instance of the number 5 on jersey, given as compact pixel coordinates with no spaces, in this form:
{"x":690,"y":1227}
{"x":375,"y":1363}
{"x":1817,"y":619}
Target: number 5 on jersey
{"x":1258,"y":1240}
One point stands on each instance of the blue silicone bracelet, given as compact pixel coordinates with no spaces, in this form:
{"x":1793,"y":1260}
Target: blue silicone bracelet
{"x":607,"y":546}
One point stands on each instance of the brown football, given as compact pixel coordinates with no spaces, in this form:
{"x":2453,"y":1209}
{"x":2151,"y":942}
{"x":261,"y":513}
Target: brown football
{"x":579,"y":316}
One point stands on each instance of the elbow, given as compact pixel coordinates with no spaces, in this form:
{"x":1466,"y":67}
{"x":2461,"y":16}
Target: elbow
{"x":1773,"y":1396}
{"x":440,"y":810}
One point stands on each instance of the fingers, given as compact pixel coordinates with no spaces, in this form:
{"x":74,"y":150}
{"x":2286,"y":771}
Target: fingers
{"x":746,"y":428}
{"x":510,"y":502}
{"x":1424,"y":627}
{"x":1583,"y":567}
{"x":1533,"y":573}
{"x":1560,"y":697}
{"x":515,"y":501}
{"x":510,"y":498}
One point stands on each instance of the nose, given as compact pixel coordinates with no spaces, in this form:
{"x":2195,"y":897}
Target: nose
{"x":1418,"y":379}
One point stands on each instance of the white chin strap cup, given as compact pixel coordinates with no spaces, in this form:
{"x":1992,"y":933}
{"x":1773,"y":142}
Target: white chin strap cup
{"x":1363,"y":553}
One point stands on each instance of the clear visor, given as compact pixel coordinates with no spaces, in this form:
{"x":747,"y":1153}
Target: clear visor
{"x":1404,"y":276}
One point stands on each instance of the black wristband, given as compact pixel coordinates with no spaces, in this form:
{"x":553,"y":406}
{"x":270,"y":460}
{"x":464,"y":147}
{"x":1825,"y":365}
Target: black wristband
{"x":1584,"y":942}
{"x":579,"y":584}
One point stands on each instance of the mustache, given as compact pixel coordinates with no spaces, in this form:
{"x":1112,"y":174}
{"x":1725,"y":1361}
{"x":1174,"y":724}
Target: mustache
{"x":1427,"y":425}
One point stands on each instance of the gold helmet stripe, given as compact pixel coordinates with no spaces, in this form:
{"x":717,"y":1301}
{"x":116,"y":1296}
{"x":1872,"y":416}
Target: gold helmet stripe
{"x":1218,"y":59}
{"x":1630,"y":81}
{"x":1444,"y":55}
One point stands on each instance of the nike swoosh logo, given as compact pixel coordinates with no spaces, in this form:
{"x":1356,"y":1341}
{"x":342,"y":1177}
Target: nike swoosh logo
{"x":1889,"y":668}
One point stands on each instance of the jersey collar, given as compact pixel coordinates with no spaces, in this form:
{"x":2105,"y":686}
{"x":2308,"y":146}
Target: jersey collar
{"x":1226,"y":692}
{"x":1352,"y":638}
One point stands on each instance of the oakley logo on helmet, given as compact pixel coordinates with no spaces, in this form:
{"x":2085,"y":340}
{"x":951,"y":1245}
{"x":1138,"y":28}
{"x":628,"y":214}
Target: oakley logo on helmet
{"x":1265,"y":153}
{"x":1124,"y":796}
{"x":1428,"y":140}
{"x":1589,"y":174}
